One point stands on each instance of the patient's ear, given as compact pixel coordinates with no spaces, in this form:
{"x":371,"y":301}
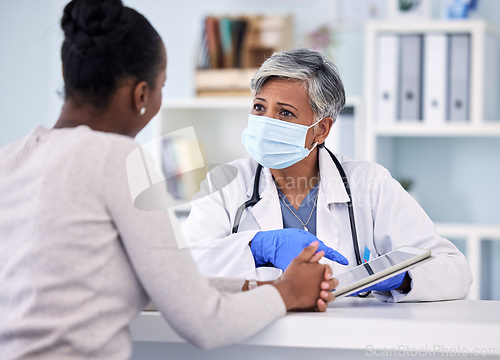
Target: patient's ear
{"x":140,"y":96}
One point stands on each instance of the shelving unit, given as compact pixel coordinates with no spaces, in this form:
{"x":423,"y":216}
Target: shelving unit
{"x":219,"y":122}
{"x":452,"y":130}
{"x":436,"y":155}
{"x":472,"y":235}
{"x":483,"y":56}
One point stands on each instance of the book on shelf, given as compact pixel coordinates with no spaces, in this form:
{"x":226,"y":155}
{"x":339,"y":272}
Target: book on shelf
{"x":410,"y":70}
{"x":238,"y":29}
{"x":423,"y":77}
{"x":203,"y":60}
{"x":387,"y":90}
{"x":458,"y":99}
{"x":435,"y":78}
{"x":214,"y":42}
{"x":226,"y":42}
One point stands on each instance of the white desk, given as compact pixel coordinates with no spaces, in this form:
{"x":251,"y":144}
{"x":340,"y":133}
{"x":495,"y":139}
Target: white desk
{"x":351,"y":327}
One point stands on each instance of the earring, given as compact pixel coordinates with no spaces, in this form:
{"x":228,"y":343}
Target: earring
{"x":142,"y":111}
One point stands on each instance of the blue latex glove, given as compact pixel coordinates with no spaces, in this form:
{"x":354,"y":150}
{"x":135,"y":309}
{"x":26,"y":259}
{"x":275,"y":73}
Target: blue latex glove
{"x":385,"y":285}
{"x":280,"y":247}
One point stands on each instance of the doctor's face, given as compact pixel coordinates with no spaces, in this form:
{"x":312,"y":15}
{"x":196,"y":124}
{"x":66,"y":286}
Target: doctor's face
{"x":285,"y":100}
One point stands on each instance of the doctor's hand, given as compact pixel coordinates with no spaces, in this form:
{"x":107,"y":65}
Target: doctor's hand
{"x":306,"y":284}
{"x":279,"y":247}
{"x":389,"y":284}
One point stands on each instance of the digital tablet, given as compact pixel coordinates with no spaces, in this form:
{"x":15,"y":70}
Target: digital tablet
{"x":378,"y":269}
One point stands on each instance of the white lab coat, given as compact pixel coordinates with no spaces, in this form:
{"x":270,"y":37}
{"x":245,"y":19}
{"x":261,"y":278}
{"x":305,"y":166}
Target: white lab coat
{"x":387,"y":217}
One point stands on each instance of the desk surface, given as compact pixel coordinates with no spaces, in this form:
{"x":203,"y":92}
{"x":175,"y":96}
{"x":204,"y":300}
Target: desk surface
{"x":354,"y":323}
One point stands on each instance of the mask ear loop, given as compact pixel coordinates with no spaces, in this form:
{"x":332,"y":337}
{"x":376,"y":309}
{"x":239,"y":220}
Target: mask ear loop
{"x":310,"y":126}
{"x":316,"y":123}
{"x":315,"y":144}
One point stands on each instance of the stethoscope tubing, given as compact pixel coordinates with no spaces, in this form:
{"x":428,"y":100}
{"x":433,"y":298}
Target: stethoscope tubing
{"x":253,"y":200}
{"x":256,"y":198}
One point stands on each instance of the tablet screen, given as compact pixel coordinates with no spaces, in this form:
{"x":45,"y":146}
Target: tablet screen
{"x":373,"y":267}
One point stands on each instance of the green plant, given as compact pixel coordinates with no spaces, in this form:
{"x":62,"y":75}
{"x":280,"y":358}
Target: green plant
{"x":406,"y":5}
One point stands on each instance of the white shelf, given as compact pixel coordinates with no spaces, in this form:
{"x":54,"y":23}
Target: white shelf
{"x":218,"y":123}
{"x":223,"y":103}
{"x":461,"y":230}
{"x":473,"y":235}
{"x":481,"y":100}
{"x":448,"y":26}
{"x":235,"y":102}
{"x":378,"y":134}
{"x":448,"y":130}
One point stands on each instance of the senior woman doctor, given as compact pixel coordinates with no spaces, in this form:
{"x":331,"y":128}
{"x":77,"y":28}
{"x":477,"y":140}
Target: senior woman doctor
{"x":297,"y":97}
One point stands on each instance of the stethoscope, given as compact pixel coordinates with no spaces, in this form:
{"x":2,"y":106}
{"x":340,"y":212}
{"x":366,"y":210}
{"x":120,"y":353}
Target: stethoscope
{"x":256,"y":198}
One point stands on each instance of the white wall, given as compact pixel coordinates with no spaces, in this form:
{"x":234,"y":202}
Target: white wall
{"x":28,"y":90}
{"x":30,"y":40}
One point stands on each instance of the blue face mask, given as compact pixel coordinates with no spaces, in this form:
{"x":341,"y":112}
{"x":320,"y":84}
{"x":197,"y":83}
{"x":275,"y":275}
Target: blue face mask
{"x":275,"y":144}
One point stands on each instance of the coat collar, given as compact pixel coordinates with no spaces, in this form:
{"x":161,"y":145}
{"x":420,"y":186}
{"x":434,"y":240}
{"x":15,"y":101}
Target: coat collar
{"x":267,"y":211}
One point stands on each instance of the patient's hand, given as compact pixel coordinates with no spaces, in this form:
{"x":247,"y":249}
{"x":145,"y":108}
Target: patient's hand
{"x":306,"y":284}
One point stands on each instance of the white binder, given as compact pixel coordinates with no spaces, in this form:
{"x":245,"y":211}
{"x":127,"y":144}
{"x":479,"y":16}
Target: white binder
{"x":490,"y":80}
{"x":459,"y":75}
{"x":435,"y":78}
{"x":387,"y":82}
{"x":410,"y":92}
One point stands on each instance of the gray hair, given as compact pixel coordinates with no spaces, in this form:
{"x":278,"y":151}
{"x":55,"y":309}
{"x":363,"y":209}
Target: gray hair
{"x":318,"y":75}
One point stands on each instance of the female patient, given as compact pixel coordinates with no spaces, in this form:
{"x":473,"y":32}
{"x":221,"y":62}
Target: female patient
{"x":77,"y":261}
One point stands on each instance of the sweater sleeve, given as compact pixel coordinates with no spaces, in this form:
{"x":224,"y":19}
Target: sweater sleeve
{"x":214,"y":249}
{"x":199,"y":312}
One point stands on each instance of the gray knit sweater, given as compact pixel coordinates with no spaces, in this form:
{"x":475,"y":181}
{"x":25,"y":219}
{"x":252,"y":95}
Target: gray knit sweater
{"x":78,"y":261}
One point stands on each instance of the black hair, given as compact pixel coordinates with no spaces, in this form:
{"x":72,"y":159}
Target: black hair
{"x":106,"y":43}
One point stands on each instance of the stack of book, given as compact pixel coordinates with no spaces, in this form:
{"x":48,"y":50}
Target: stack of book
{"x":222,"y":42}
{"x":232,"y":48}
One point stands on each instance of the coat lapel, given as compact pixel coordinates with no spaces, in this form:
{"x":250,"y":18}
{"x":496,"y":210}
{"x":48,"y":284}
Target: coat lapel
{"x":332,"y":193}
{"x":267,"y":211}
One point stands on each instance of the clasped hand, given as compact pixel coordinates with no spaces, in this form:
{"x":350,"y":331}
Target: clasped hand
{"x":306,"y":284}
